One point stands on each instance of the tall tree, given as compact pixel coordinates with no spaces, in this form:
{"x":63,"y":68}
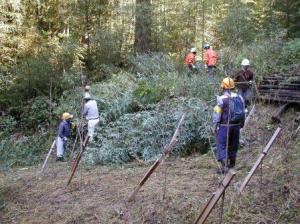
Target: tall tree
{"x":142,"y":26}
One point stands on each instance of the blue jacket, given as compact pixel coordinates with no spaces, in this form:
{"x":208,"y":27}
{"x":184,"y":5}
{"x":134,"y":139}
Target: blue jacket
{"x":64,"y":129}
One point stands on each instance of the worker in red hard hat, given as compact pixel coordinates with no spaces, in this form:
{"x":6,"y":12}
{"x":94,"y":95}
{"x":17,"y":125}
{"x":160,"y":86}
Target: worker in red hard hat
{"x":210,"y":59}
{"x":190,"y":59}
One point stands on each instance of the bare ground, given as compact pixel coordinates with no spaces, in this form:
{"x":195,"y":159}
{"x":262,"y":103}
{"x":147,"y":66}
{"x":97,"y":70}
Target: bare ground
{"x":173,"y":194}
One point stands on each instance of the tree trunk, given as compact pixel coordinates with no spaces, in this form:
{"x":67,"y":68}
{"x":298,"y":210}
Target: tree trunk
{"x":142,"y":26}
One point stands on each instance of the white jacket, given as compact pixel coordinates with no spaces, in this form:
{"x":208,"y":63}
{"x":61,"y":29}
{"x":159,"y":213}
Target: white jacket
{"x":90,"y":110}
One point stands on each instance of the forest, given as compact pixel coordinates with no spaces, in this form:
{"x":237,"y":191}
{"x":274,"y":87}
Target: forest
{"x":131,"y":53}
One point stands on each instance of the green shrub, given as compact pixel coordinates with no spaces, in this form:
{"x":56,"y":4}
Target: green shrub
{"x":36,"y":114}
{"x":7,"y":124}
{"x":292,"y":51}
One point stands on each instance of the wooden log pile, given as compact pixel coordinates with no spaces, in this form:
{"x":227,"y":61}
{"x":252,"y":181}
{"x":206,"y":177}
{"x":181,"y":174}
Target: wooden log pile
{"x":283,"y":88}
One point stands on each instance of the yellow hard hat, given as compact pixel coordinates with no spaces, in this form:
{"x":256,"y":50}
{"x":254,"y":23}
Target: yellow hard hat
{"x":227,"y":83}
{"x":66,"y":116}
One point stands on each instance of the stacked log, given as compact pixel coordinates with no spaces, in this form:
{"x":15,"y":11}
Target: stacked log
{"x":283,"y":88}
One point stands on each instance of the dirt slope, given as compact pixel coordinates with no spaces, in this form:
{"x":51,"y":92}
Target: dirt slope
{"x":173,"y":194}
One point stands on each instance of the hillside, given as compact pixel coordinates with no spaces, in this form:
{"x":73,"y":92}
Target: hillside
{"x":174,"y":194}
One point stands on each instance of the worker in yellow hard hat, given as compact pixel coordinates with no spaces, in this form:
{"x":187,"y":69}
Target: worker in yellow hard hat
{"x":64,"y":132}
{"x":228,"y":117}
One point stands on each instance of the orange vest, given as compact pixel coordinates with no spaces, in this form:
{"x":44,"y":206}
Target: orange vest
{"x":190,"y":59}
{"x":210,"y":57}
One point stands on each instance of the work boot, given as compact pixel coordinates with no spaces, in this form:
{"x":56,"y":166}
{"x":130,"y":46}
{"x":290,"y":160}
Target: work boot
{"x":59,"y":159}
{"x":231,"y":163}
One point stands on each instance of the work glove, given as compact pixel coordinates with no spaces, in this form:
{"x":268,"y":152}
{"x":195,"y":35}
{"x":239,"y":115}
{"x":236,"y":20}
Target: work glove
{"x":214,"y":129}
{"x":193,"y":66}
{"x":65,"y":139}
{"x":205,"y":66}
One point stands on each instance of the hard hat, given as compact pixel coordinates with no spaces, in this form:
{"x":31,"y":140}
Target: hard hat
{"x":227,"y":83}
{"x":245,"y":62}
{"x":87,"y":96}
{"x":193,"y":50}
{"x":87,"y":88}
{"x":206,"y":46}
{"x":66,"y":116}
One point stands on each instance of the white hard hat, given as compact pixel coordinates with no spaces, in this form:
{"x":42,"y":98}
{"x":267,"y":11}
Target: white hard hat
{"x":87,"y":88}
{"x":193,"y":50}
{"x":206,"y":46}
{"x":245,"y":62}
{"x":87,"y":96}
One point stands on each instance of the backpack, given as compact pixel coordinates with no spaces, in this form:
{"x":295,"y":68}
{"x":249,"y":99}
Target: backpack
{"x":237,"y":110}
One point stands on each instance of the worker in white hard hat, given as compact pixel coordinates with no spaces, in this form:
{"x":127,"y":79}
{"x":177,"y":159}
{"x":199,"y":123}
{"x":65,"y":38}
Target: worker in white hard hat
{"x":190,"y":59}
{"x":64,"y":132}
{"x":243,"y":79}
{"x":91,"y":114}
{"x":210,"y":59}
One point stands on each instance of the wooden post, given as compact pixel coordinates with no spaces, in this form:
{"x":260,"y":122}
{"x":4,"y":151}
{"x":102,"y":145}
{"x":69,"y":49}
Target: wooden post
{"x":167,"y":150}
{"x":77,"y":160}
{"x":215,"y":198}
{"x":259,"y":160}
{"x":48,"y":155}
{"x":277,"y":113}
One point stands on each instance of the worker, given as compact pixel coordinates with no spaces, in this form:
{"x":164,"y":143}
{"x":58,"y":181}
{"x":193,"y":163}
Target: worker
{"x":228,"y":118}
{"x":64,"y":132}
{"x":91,"y":114}
{"x":210,"y":59}
{"x":190,"y":59}
{"x":244,"y":78}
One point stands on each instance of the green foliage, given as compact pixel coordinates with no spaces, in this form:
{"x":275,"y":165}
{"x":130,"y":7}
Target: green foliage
{"x":149,"y":92}
{"x":292,"y":51}
{"x":7,"y":124}
{"x":142,"y":135}
{"x":36,"y":114}
{"x":20,"y":150}
{"x":238,"y":27}
{"x":265,"y":56}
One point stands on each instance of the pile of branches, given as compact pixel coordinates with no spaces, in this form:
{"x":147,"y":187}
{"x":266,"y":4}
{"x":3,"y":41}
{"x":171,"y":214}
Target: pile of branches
{"x":142,"y":135}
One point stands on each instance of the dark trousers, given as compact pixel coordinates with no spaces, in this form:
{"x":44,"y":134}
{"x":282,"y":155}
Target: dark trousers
{"x":233,"y":142}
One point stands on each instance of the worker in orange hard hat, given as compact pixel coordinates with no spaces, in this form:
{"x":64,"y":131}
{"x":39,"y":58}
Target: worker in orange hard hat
{"x":190,"y":59}
{"x":64,"y":132}
{"x":210,"y":59}
{"x":228,"y":117}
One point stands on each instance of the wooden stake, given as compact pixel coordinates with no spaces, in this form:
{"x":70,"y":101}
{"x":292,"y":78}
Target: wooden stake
{"x":48,"y":155}
{"x":259,"y":160}
{"x":167,"y":150}
{"x":215,"y":198}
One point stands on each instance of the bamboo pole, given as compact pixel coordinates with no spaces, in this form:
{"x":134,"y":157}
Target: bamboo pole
{"x":205,"y":212}
{"x":77,"y":160}
{"x":48,"y":155}
{"x":167,"y":150}
{"x":259,"y":160}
